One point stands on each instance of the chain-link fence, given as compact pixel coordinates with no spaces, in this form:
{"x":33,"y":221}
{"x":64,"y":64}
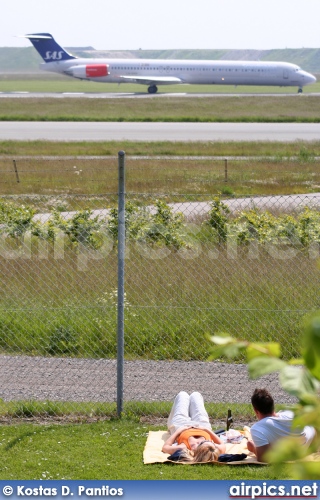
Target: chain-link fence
{"x":194,"y":265}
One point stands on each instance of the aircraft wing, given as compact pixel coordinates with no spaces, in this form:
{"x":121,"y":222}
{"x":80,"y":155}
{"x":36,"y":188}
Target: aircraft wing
{"x":152,"y":80}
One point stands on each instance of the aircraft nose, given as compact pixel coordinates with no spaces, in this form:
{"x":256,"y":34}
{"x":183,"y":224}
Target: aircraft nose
{"x":313,"y":78}
{"x":309,"y":78}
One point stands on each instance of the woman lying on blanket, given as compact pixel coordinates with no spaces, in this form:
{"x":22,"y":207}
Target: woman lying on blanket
{"x":190,"y":430}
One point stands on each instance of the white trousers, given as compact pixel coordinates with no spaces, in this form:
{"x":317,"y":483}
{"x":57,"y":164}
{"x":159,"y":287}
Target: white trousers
{"x":188,"y":410}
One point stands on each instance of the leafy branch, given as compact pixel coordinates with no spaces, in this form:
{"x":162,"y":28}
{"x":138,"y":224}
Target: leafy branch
{"x":300,"y":378}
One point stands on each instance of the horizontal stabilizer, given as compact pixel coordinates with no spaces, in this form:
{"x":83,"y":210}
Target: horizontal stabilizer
{"x":43,"y":37}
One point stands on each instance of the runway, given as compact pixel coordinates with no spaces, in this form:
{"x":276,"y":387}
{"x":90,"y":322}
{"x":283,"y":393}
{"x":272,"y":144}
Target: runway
{"x":149,"y":132}
{"x":138,"y":95}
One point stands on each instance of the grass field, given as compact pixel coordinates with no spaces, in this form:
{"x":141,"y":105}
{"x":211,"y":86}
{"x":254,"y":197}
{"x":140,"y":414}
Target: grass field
{"x":303,"y":150}
{"x":274,"y":107}
{"x":167,"y":170}
{"x":102,"y":450}
{"x":297,"y":108}
{"x":53,"y":447}
{"x":55,"y":184}
{"x":50,"y":307}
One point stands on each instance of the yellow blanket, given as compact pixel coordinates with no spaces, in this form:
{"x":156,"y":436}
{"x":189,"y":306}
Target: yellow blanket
{"x":152,"y":452}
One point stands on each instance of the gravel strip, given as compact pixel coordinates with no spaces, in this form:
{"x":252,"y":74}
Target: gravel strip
{"x":80,"y":380}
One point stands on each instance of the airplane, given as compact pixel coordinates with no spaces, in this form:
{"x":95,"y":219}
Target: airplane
{"x":154,"y":72}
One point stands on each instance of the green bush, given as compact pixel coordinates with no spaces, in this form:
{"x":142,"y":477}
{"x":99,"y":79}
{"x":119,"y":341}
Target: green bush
{"x":301,"y":382}
{"x":63,"y":340}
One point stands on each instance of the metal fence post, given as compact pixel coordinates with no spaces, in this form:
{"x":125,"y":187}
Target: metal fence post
{"x":121,"y":261}
{"x":16,"y":170}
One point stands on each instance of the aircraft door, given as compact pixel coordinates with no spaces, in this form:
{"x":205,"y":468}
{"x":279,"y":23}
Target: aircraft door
{"x":285,"y":74}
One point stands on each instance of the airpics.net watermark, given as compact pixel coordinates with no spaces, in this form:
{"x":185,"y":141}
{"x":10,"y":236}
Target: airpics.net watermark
{"x":278,"y":490}
{"x":279,"y":248}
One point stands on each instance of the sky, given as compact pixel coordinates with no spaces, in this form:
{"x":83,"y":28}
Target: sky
{"x":164,"y":24}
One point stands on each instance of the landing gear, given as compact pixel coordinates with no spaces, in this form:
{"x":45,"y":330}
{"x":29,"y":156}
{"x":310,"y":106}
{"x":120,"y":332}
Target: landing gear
{"x":152,"y":89}
{"x":300,"y":90}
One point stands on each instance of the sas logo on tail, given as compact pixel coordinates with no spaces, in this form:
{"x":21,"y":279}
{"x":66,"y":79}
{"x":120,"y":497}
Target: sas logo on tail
{"x":55,"y":55}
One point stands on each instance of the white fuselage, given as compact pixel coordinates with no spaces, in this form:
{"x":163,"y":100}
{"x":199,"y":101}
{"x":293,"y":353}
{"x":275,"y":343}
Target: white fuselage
{"x":184,"y":71}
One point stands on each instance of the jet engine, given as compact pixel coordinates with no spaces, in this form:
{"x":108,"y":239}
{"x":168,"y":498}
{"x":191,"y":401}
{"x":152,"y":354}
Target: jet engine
{"x":89,"y":71}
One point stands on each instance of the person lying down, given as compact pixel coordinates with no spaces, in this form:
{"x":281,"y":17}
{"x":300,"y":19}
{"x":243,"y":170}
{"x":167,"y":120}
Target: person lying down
{"x":191,"y":431}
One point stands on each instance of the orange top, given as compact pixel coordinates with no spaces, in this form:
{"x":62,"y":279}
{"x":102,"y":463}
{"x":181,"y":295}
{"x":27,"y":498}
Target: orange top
{"x":183,"y":437}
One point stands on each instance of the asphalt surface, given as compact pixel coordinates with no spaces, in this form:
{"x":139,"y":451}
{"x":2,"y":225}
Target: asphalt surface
{"x":144,"y":132}
{"x":193,"y":210}
{"x":140,"y":95}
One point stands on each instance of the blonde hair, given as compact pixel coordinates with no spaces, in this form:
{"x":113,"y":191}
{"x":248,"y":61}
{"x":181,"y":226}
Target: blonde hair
{"x":203,"y":454}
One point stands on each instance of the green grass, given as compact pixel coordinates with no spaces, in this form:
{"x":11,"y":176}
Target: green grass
{"x":239,"y":108}
{"x":139,"y":411}
{"x":84,"y":330}
{"x":282,"y":169}
{"x":29,"y":285}
{"x":111,"y":449}
{"x":108,"y":148}
{"x":305,"y":108}
{"x":58,"y":442}
{"x":53,"y":307}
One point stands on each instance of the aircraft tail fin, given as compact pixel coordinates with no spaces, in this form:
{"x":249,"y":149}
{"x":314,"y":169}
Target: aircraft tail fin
{"x":48,"y":48}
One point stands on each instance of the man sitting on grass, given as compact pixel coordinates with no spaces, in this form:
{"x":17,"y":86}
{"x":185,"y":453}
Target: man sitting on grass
{"x":272,"y":426}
